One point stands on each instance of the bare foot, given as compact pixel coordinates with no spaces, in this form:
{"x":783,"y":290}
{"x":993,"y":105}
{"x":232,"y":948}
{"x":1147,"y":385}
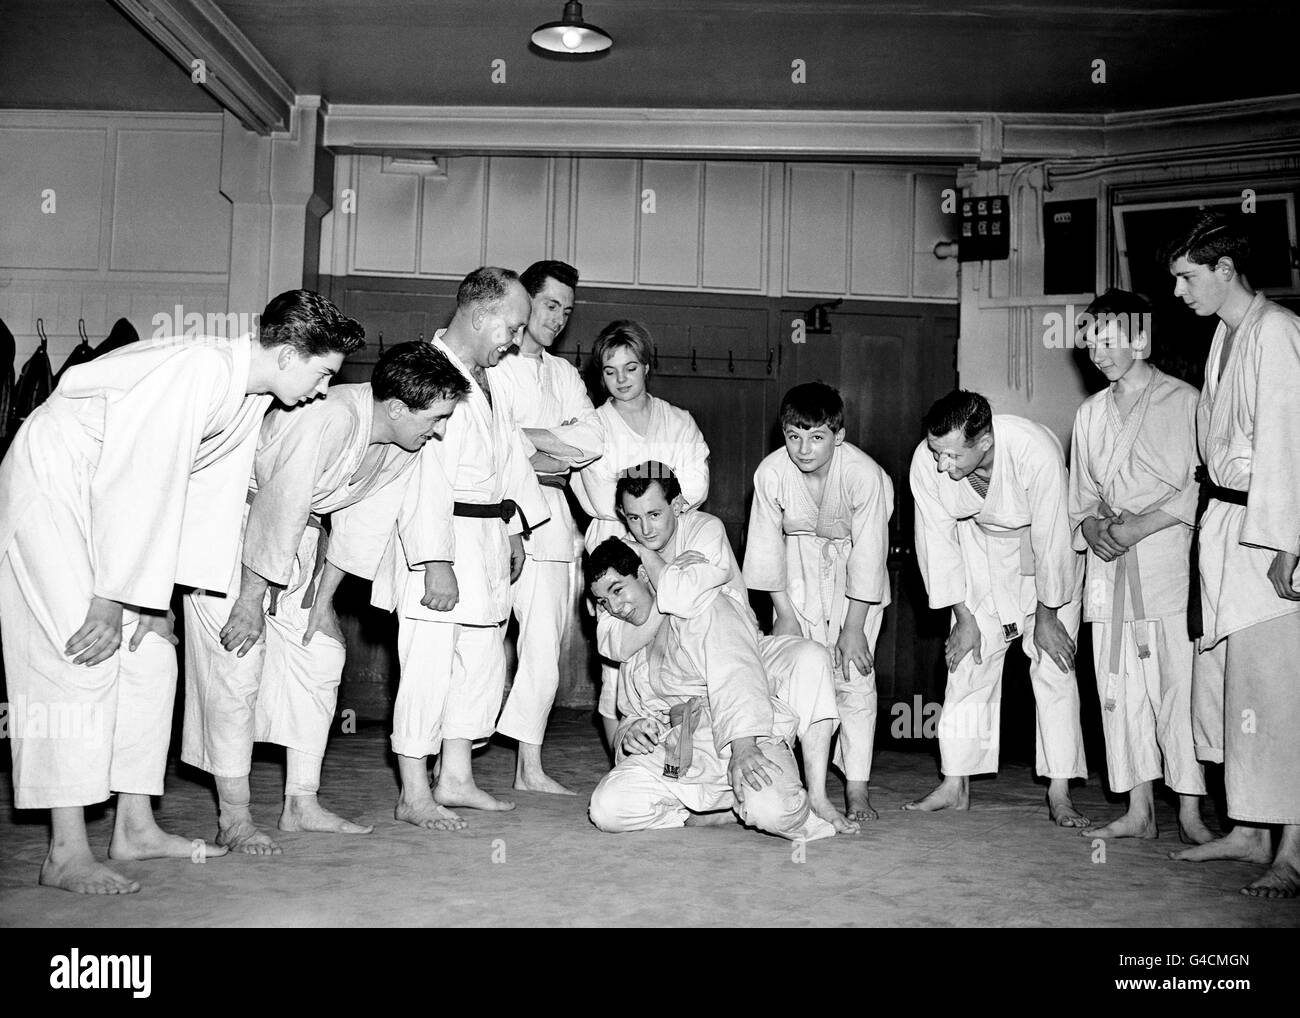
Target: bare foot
{"x":857,"y":799}
{"x":1281,"y":881}
{"x":1063,"y":813}
{"x":428,"y":815}
{"x":718,"y":818}
{"x":158,"y":844}
{"x":305,"y":813}
{"x":822,"y":807}
{"x":469,"y":795}
{"x":950,"y":793}
{"x":81,"y":873}
{"x":1191,"y":828}
{"x":244,"y":836}
{"x":540,"y":781}
{"x":1130,"y":825}
{"x":1241,"y":844}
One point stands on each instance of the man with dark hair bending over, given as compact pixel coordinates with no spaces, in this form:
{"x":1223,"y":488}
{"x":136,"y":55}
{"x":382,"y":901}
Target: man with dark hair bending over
{"x":993,"y":544}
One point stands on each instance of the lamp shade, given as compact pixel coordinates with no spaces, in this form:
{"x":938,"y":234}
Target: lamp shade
{"x":571,"y":34}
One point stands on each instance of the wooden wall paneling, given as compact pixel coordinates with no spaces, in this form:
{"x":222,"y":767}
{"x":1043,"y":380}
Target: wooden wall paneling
{"x":733,"y":238}
{"x":931,"y":276}
{"x":387,"y":220}
{"x":607,"y":205}
{"x":669,"y":242}
{"x":452,"y":220}
{"x":168,"y":211}
{"x":817,"y":237}
{"x":881,"y":254}
{"x":70,"y":164}
{"x":518,"y":218}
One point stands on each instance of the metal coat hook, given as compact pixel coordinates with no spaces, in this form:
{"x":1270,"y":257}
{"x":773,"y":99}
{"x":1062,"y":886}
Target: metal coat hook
{"x":81,"y":330}
{"x":381,"y":342}
{"x":654,"y":360}
{"x":731,"y":364}
{"x":769,"y":360}
{"x":693,"y":365}
{"x":40,"y":331}
{"x":577,"y":356}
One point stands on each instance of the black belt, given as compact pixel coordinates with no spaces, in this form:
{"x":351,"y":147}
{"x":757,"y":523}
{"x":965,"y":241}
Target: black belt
{"x":552,"y":480}
{"x":504,"y":510}
{"x":1209,"y":491}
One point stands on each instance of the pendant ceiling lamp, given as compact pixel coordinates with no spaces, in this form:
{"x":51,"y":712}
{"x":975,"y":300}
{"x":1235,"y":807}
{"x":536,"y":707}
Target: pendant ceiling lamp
{"x":571,"y":34}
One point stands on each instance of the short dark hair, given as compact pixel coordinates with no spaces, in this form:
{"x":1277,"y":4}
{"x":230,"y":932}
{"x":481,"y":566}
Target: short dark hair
{"x":419,"y":374}
{"x":811,"y":405}
{"x":612,"y":553}
{"x":310,"y":324}
{"x":485,"y":287}
{"x":624,"y":335}
{"x":1211,"y":237}
{"x":1127,"y":307}
{"x":961,"y":410}
{"x":636,"y":481}
{"x":535,"y":276}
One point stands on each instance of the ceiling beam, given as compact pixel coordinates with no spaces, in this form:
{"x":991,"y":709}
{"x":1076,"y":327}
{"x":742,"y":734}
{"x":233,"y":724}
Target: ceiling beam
{"x":984,"y":138}
{"x":233,"y":71}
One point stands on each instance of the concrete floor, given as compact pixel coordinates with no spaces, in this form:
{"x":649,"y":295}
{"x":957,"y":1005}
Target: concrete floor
{"x":1002,"y":864}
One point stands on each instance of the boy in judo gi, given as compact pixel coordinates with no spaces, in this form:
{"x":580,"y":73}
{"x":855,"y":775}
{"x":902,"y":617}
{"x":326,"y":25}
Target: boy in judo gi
{"x":818,"y":542}
{"x":1248,"y":428}
{"x":1132,"y":506}
{"x":129,"y":480}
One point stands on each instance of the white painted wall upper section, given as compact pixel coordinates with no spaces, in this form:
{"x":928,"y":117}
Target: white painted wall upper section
{"x":762,"y":228}
{"x":105,"y":216}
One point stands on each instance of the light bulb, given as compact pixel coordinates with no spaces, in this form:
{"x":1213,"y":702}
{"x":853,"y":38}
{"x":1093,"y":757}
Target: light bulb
{"x":572,"y":38}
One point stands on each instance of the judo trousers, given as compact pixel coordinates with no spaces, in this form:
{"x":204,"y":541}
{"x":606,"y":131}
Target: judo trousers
{"x":76,"y":733}
{"x":280,"y":691}
{"x":969,"y":726}
{"x":1149,"y":731}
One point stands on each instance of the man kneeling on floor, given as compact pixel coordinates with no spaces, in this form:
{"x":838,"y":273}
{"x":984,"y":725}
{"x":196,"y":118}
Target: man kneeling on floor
{"x":700,"y":731}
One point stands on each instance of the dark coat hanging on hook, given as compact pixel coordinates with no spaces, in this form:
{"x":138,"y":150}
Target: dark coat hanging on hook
{"x":122,"y":333}
{"x":35,"y":383}
{"x":8,"y":350}
{"x":82,"y":353}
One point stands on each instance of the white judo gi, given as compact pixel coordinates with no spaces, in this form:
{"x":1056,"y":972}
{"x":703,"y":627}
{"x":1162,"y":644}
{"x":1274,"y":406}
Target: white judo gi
{"x":453,"y":665}
{"x":311,"y":461}
{"x":672,"y":439}
{"x":1141,"y":462}
{"x":128,"y":480}
{"x":545,"y":391}
{"x":1248,"y":424}
{"x":822,"y":555}
{"x":701,"y":648}
{"x":1001,"y":555}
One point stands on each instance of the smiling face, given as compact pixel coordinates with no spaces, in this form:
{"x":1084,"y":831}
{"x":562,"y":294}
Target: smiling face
{"x":624,"y":376}
{"x":552,"y":307}
{"x":1203,"y":288}
{"x":953,"y":456}
{"x":1110,"y":350}
{"x":499,"y":328}
{"x":625,"y":597}
{"x":811,"y":449}
{"x":413,"y":428}
{"x":651,"y":519}
{"x":300,"y":378}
